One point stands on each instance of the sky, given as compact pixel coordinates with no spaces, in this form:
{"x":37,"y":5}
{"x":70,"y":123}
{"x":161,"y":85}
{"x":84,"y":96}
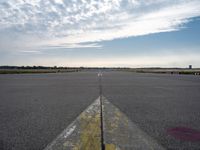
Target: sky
{"x":100,"y":33}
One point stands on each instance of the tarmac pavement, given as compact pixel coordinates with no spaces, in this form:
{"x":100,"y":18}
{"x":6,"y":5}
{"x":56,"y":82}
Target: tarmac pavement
{"x":36,"y":108}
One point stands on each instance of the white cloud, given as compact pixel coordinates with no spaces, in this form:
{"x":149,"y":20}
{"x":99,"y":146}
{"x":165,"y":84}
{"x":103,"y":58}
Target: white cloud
{"x":70,"y":46}
{"x":30,"y":51}
{"x":54,"y":22}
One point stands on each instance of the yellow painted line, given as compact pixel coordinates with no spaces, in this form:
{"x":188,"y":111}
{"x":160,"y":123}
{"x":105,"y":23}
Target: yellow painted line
{"x":120,"y":133}
{"x":83,"y":134}
{"x":110,"y":147}
{"x":89,"y":134}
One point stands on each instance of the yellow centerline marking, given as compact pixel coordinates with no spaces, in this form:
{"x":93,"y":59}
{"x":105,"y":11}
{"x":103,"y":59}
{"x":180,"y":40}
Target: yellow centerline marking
{"x":82,"y":134}
{"x":119,"y":133}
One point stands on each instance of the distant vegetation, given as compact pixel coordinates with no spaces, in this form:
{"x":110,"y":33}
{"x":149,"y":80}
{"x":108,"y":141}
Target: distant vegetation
{"x":35,"y":69}
{"x":195,"y":71}
{"x":55,"y":69}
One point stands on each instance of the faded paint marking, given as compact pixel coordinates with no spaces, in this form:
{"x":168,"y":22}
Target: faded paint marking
{"x":69,"y":131}
{"x":83,"y":134}
{"x":120,"y":133}
{"x":110,"y":147}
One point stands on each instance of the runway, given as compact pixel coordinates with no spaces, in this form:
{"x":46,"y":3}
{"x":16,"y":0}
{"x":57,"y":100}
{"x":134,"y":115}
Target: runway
{"x":35,"y":109}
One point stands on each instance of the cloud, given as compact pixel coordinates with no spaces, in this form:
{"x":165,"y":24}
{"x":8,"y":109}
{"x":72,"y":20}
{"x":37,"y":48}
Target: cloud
{"x":72,"y":22}
{"x":30,"y":52}
{"x":71,"y":46}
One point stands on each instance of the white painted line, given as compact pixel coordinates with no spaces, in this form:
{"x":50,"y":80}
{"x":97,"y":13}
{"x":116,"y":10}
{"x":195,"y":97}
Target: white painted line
{"x":83,"y":133}
{"x":100,"y":74}
{"x":120,"y":133}
{"x":69,"y":131}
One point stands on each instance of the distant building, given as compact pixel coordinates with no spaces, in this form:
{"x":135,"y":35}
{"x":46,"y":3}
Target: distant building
{"x":190,"y":66}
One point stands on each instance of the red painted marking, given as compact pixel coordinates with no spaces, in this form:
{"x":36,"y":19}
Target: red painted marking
{"x":184,"y":133}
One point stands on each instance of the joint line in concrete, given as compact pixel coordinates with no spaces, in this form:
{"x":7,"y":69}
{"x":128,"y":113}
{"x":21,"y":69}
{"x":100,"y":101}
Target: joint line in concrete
{"x":101,"y":111}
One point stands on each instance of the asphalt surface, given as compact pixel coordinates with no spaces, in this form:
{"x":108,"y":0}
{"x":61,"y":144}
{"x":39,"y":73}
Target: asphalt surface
{"x":157,"y":103}
{"x":34,"y":109}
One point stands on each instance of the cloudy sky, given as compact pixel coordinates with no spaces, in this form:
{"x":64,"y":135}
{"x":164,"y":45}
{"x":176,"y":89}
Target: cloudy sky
{"x":131,"y":33}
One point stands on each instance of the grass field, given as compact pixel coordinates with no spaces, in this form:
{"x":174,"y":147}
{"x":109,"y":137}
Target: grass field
{"x":25,"y":71}
{"x":195,"y":71}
